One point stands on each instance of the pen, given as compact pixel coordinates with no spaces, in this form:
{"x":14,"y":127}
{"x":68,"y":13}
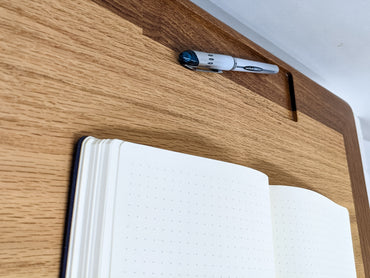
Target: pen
{"x":211,"y":62}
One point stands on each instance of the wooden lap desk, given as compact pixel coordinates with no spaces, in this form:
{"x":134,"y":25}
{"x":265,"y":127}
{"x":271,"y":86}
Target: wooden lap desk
{"x":109,"y":69}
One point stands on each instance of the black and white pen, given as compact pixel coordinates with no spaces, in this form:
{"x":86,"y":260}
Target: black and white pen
{"x":211,"y":62}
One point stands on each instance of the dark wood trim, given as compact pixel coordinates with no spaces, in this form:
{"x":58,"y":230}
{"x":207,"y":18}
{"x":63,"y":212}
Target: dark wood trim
{"x":181,"y":25}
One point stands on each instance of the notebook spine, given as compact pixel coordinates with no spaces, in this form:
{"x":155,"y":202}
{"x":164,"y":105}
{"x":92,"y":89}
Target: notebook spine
{"x":69,"y":213}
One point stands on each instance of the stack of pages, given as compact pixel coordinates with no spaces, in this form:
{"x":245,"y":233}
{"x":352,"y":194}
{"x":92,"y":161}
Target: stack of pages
{"x":142,"y":212}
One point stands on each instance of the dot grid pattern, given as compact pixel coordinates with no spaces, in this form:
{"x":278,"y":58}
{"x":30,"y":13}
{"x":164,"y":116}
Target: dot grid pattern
{"x":182,"y":216}
{"x":312,"y":236}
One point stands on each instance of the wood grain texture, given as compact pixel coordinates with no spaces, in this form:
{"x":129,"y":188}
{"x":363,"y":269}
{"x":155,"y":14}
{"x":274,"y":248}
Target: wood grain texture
{"x":72,"y":68}
{"x":181,"y":24}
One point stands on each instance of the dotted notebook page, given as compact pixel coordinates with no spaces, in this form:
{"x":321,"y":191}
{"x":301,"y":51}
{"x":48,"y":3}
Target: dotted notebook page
{"x":183,"y":216}
{"x":312,"y":235}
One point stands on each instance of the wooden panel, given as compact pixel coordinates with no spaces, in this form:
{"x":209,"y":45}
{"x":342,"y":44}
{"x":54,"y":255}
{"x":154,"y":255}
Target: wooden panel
{"x":71,"y":68}
{"x":181,"y":24}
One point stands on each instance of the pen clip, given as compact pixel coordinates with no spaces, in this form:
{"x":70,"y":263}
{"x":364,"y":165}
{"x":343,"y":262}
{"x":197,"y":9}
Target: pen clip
{"x":204,"y":70}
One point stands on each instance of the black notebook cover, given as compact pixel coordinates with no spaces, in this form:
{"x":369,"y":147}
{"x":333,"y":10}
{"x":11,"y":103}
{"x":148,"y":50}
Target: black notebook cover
{"x":71,"y":197}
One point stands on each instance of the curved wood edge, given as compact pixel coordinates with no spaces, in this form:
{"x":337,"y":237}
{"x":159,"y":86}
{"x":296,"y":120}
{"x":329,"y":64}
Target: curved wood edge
{"x":182,"y":25}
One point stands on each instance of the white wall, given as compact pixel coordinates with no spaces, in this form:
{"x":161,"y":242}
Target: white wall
{"x":328,"y":41}
{"x":363,"y":130}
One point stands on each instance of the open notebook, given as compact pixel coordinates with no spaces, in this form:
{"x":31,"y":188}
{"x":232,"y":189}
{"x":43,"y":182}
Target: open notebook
{"x":142,"y":212}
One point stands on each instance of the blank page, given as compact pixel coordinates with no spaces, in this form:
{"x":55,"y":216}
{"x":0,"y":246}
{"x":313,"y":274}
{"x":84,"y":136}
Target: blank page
{"x":312,"y":235}
{"x":183,"y":216}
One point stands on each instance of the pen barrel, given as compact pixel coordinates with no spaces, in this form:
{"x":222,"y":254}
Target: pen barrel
{"x":215,"y":61}
{"x":255,"y":67}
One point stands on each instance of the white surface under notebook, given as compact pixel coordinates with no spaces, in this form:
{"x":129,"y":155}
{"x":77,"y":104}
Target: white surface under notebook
{"x":142,"y":212}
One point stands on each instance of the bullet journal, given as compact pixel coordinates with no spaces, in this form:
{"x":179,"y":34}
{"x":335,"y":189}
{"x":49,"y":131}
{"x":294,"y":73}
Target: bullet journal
{"x":138,"y":211}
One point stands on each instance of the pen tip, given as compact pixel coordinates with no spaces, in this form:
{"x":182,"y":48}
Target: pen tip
{"x":188,"y":58}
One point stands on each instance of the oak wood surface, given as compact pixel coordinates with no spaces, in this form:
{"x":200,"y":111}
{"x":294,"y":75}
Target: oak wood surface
{"x":74,"y":68}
